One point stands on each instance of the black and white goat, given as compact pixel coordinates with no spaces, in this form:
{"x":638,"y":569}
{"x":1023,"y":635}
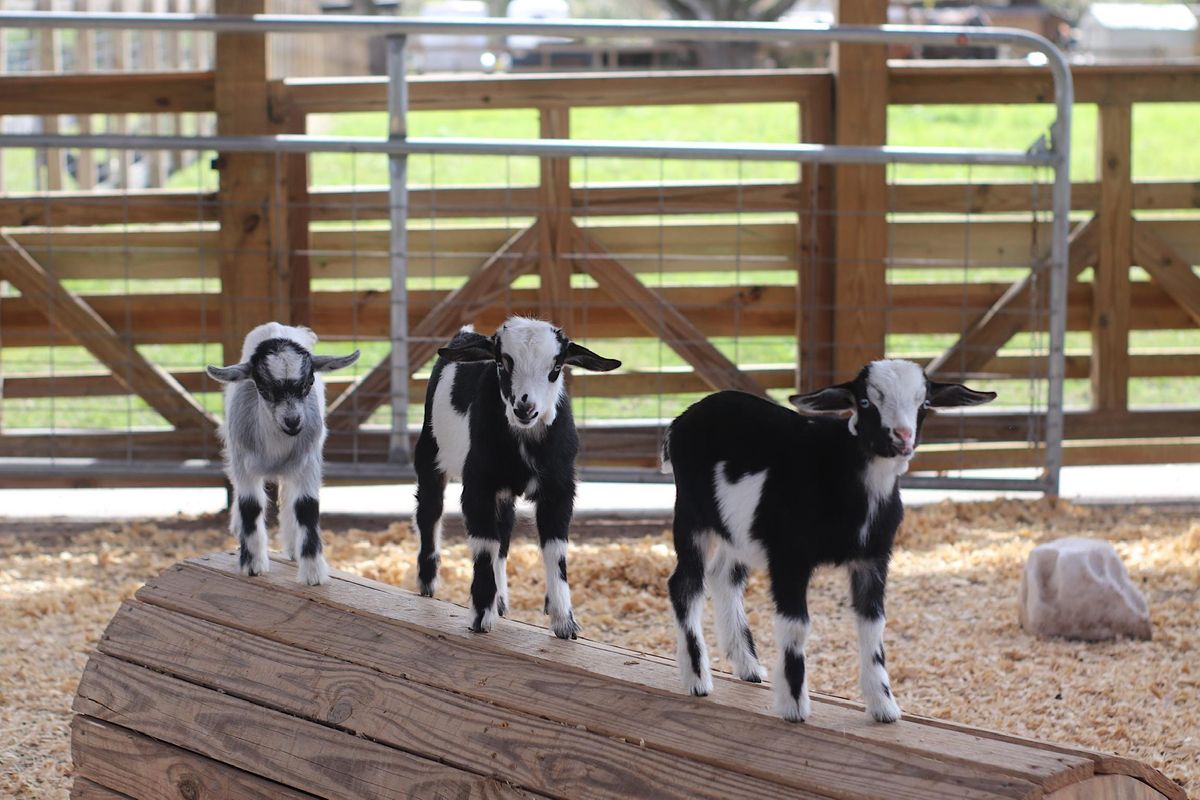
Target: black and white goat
{"x":758,"y":485}
{"x":497,"y":416}
{"x":274,"y":429}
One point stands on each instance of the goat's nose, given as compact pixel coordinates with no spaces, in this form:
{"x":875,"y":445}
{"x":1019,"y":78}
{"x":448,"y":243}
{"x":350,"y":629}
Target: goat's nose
{"x":524,"y":411}
{"x":905,"y":437}
{"x":292,"y":423}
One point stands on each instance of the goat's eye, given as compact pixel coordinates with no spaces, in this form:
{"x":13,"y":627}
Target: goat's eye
{"x":864,"y":403}
{"x":925,"y":404}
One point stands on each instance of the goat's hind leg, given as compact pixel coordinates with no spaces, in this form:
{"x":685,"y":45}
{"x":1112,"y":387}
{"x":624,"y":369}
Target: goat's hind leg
{"x":289,"y":526}
{"x":431,"y":490}
{"x":686,"y":586}
{"x":789,"y":587}
{"x":248,"y":524}
{"x":506,"y":517}
{"x":727,"y":581}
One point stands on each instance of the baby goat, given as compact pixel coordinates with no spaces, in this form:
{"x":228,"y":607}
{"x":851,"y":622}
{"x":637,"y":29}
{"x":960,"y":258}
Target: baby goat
{"x":274,"y":430}
{"x":497,"y":416}
{"x":785,"y":492}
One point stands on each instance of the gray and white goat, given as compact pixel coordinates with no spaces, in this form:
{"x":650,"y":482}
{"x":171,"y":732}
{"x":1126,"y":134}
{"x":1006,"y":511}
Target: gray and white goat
{"x":274,"y":430}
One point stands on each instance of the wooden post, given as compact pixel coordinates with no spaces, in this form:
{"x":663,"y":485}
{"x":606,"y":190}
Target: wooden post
{"x":85,"y":55}
{"x":295,"y":168}
{"x":122,"y":50}
{"x":1110,"y":287}
{"x":816,"y":272}
{"x":152,"y":42}
{"x":860,"y":118}
{"x":554,"y":236}
{"x":251,"y":210}
{"x":50,"y":60}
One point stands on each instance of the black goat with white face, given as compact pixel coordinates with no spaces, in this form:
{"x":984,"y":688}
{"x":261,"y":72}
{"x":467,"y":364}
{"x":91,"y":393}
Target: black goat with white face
{"x":497,"y":416}
{"x":274,"y":429}
{"x":760,"y":486}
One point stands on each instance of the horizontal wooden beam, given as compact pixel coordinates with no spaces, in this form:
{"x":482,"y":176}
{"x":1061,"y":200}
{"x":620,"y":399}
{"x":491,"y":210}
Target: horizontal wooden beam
{"x":337,"y":95}
{"x":107,"y":93}
{"x":946,"y":82}
{"x":74,"y":317}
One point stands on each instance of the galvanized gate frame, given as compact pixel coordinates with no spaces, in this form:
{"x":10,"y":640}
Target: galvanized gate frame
{"x":1051,"y":152}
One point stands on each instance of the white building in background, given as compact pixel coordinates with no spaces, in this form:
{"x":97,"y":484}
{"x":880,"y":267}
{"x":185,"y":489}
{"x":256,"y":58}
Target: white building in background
{"x":451,"y":52}
{"x":1138,"y":31}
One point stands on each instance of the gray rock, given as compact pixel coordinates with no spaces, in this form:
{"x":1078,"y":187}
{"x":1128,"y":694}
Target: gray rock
{"x":1078,"y":588}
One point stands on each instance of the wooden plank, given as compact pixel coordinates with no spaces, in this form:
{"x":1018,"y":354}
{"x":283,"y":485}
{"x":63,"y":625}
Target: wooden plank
{"x":516,"y":666}
{"x":252,"y":256}
{"x":354,"y":406}
{"x":83,"y":789}
{"x":947,"y":82}
{"x":861,"y":230}
{"x":554,"y":219}
{"x":660,"y":317}
{"x":537,"y":754}
{"x":1107,"y":787}
{"x":337,"y":95}
{"x":268,"y":743}
{"x":986,"y":198}
{"x":817,"y":233}
{"x":106,"y":93}
{"x":992,"y":330}
{"x":1110,"y":284}
{"x":103,"y":752}
{"x":1168,"y":269}
{"x":78,"y":320}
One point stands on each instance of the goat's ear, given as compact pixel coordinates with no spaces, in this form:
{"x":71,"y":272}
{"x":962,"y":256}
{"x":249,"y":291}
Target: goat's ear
{"x":238,"y":372}
{"x":950,"y":395}
{"x":579,"y":356}
{"x":832,"y":400}
{"x":330,"y":363}
{"x":469,"y":346}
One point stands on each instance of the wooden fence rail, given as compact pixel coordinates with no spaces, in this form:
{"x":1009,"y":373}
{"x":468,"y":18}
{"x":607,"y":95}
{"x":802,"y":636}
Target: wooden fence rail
{"x":198,"y":267}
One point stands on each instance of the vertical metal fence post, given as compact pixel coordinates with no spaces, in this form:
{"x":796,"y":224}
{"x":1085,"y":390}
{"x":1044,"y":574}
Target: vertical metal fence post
{"x":398,"y":451}
{"x":1060,"y":144}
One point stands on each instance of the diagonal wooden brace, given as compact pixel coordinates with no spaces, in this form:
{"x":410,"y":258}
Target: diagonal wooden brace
{"x":81,"y":322}
{"x":1167,"y":268}
{"x":1007,"y":316}
{"x":360,"y":400}
{"x":660,"y":317}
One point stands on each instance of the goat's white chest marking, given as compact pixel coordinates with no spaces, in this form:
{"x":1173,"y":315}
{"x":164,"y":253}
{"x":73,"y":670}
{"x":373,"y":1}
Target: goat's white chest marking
{"x":879,"y":478}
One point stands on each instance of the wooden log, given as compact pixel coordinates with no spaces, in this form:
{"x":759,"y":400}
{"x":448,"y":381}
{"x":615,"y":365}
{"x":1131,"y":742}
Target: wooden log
{"x":660,"y":317}
{"x":860,"y":320}
{"x":79,"y":321}
{"x":1110,"y":284}
{"x":383,"y":681}
{"x":354,"y":406}
{"x":102,"y":753}
{"x":1168,"y":269}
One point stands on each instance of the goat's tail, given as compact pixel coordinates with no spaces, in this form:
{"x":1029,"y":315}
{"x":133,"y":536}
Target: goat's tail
{"x":665,"y":467}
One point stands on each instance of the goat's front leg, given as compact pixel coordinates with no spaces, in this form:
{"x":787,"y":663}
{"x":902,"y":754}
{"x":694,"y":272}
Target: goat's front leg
{"x":553,"y":522}
{"x":483,"y":539}
{"x":303,"y":495}
{"x":789,"y":586}
{"x":248,"y":523}
{"x":868,"y":581}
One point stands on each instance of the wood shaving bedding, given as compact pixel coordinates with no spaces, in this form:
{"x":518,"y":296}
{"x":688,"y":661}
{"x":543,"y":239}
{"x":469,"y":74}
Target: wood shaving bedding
{"x":955,"y":649}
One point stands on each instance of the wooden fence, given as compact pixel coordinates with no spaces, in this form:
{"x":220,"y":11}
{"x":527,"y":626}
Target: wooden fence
{"x":843,"y":233}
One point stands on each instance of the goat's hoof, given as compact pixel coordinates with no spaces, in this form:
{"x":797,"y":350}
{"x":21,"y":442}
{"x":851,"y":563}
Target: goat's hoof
{"x":427,"y":589}
{"x":501,"y":606}
{"x":256,"y":565}
{"x":484,"y":620}
{"x":313,"y":571}
{"x":794,"y":709}
{"x":752,"y":673}
{"x":698,"y":685}
{"x":566,"y":628}
{"x":884,"y":709}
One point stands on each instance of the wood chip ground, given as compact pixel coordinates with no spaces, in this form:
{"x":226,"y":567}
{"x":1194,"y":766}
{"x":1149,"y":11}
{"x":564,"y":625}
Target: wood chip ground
{"x":955,"y":648}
